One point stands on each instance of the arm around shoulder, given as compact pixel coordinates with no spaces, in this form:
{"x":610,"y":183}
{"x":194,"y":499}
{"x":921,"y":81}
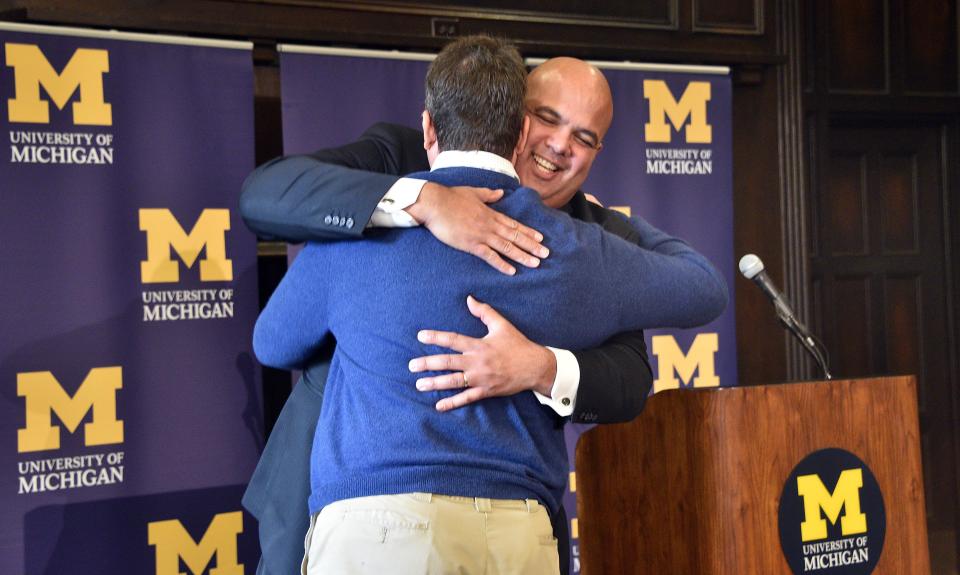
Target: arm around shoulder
{"x":331,"y":193}
{"x":660,"y":281}
{"x":707,"y":285}
{"x":295,"y":199}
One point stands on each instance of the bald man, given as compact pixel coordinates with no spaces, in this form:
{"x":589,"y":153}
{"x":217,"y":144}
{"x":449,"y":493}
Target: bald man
{"x":324,"y":196}
{"x":570,"y":107}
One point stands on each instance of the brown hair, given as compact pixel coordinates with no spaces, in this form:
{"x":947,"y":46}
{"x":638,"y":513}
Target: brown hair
{"x":474,"y":94}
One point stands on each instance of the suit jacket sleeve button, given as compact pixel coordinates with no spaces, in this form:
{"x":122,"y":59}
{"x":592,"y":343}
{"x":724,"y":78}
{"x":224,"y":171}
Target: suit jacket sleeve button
{"x":327,"y":220}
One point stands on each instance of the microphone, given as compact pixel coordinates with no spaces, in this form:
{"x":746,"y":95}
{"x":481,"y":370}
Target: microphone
{"x":752,"y":268}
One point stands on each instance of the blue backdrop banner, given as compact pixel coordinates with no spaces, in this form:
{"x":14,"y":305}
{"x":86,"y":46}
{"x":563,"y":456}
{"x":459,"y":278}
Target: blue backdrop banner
{"x":667,"y":158}
{"x":131,"y":412}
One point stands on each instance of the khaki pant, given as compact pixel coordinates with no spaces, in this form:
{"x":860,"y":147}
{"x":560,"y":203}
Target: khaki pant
{"x":422,"y":533}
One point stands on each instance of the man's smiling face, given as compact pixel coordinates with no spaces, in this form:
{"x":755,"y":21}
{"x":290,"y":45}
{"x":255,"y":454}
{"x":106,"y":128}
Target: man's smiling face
{"x":570,"y":108}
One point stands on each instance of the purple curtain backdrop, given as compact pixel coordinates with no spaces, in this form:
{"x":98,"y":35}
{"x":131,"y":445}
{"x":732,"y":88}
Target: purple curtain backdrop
{"x":179,"y":139}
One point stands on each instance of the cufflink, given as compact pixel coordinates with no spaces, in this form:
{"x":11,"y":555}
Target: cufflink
{"x":565,"y":401}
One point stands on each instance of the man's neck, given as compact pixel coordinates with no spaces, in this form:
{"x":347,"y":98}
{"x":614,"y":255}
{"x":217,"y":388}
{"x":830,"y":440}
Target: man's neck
{"x":474,"y":159}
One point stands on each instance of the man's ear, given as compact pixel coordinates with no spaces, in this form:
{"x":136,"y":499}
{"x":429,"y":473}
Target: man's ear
{"x":430,"y":143}
{"x":429,"y":131}
{"x":522,"y":142}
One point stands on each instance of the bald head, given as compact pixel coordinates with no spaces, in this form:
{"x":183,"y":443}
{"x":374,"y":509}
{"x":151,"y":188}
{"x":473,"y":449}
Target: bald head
{"x":571,"y":108}
{"x":578,"y":79}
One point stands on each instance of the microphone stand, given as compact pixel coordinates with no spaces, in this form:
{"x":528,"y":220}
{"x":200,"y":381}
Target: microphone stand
{"x":800,"y":332}
{"x":752,"y":268}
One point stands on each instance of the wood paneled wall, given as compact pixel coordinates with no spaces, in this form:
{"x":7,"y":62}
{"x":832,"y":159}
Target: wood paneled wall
{"x":659,"y":30}
{"x":882,"y":100}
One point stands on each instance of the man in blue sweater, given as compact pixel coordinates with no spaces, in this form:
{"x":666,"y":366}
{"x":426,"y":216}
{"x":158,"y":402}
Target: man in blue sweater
{"x":397,"y":486}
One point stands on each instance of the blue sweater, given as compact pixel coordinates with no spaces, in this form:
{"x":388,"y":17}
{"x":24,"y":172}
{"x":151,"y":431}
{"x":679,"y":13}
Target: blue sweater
{"x":377,"y":434}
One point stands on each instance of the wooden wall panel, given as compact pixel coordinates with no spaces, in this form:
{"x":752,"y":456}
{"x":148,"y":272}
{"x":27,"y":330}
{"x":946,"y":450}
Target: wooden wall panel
{"x":657,"y":31}
{"x":760,"y":339}
{"x":792,"y":167}
{"x":817,"y":312}
{"x":621,"y":12}
{"x":886,"y":309}
{"x":930,"y":48}
{"x":900,"y":226}
{"x":903,"y":330}
{"x":844,"y":204}
{"x":852,"y":327}
{"x":857,"y":40}
{"x":813,"y":153}
{"x":730,"y":16}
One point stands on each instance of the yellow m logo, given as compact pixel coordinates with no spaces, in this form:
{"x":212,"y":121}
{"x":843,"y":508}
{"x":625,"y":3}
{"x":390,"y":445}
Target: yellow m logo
{"x":44,"y":396}
{"x":671,"y":360}
{"x":173,"y":543}
{"x":692,"y":106}
{"x":85,"y":71}
{"x":845,"y":495}
{"x":164,"y":232}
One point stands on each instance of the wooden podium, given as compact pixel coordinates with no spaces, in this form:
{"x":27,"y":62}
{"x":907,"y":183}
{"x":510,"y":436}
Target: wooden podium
{"x":693,"y":485}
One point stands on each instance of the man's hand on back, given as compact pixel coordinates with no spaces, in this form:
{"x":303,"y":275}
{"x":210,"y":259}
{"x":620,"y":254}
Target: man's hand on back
{"x":460,"y":218}
{"x":502,"y":363}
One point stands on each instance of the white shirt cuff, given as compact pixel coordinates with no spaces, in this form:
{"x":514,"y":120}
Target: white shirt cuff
{"x":390,"y":211}
{"x":563,"y":396}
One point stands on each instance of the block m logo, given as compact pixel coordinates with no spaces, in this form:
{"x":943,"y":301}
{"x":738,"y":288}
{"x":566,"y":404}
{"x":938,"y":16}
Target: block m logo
{"x":45,"y":396}
{"x":173,"y":543}
{"x":671,"y":360}
{"x":691,"y":108}
{"x":164,"y":232}
{"x":85,"y":71}
{"x":846,"y":495}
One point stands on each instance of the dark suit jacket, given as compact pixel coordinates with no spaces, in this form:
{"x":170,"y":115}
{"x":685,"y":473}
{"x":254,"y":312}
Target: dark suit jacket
{"x":331,"y":194}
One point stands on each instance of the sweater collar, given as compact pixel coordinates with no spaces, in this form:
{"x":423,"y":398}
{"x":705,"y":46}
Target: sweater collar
{"x":474,"y":159}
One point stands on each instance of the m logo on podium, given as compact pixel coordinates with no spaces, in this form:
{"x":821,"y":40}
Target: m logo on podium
{"x":173,"y":543}
{"x":845,"y":496}
{"x":164,"y":233}
{"x":690,"y":110}
{"x":84,"y":73}
{"x":832,"y":518}
{"x":45,"y":396}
